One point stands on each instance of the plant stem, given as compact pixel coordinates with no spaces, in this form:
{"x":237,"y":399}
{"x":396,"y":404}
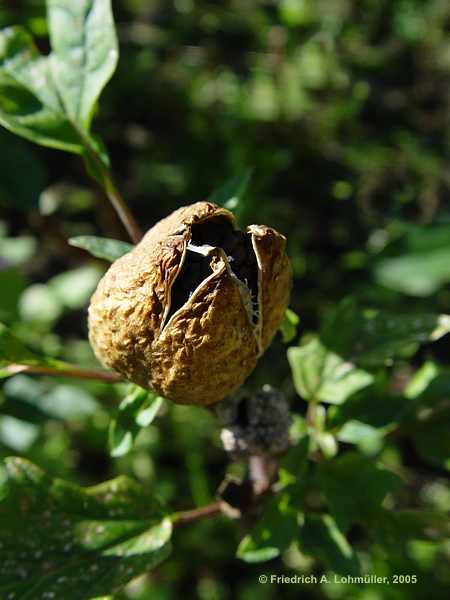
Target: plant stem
{"x":115,"y":197}
{"x":110,"y":188}
{"x":187,"y":516}
{"x":261,"y":471}
{"x":74,"y":371}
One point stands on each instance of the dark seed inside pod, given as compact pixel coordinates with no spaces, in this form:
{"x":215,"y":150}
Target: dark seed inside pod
{"x":196,"y":269}
{"x":237,"y":245}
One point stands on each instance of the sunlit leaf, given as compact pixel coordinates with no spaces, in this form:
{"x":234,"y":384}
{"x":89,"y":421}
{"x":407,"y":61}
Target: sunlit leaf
{"x":289,"y":325}
{"x":321,"y":375}
{"x":84,"y":53}
{"x":29,"y":103}
{"x":137,"y":410}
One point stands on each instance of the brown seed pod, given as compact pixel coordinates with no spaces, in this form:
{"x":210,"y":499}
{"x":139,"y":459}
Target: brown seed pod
{"x":190,"y":309}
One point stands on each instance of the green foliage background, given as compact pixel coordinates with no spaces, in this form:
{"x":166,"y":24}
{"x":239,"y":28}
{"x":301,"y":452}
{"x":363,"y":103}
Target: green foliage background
{"x":341,"y":108}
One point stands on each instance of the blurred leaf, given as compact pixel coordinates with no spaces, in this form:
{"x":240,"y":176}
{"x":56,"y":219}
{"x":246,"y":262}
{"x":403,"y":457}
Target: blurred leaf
{"x":276,"y":529}
{"x":432,"y":440}
{"x":29,"y":103}
{"x":29,"y":399}
{"x":321,"y":538}
{"x":12,"y":283}
{"x":289,"y":325}
{"x":74,"y":288}
{"x":232,"y":191}
{"x":17,"y":434}
{"x":39,"y":303}
{"x":320,"y":375}
{"x":368,"y":439}
{"x":293,"y":466}
{"x":17,"y":159}
{"x":354,"y":487}
{"x":84,"y":53}
{"x":278,"y":525}
{"x":101,"y":247}
{"x":86,"y":542}
{"x":17,"y":251}
{"x":374,"y":337}
{"x":394,"y":529}
{"x":137,"y":410}
{"x":429,"y":386}
{"x":14,"y":352}
{"x":419,"y":274}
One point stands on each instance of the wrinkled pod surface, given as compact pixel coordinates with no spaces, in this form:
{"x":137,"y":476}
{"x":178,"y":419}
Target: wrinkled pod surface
{"x":190,"y":309}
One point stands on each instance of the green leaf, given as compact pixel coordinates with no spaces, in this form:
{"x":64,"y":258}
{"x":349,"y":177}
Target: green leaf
{"x":84,"y":53}
{"x":230,"y":194}
{"x":373,"y":337}
{"x":321,"y":375}
{"x":321,"y":538}
{"x":101,"y":247}
{"x":355,"y":487}
{"x":289,"y":325}
{"x":29,"y":103}
{"x":86,"y":542}
{"x":276,"y":529}
{"x":137,"y":410}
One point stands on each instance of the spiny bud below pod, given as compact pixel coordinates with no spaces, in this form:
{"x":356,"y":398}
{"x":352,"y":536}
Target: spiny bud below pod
{"x":255,"y":424}
{"x":190,"y":309}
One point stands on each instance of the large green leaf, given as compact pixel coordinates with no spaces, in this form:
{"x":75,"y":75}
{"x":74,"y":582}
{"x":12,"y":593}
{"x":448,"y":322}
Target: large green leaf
{"x":374,"y":337}
{"x":354,"y":487}
{"x":137,"y":410}
{"x":321,"y":375}
{"x":58,"y":540}
{"x":29,"y":103}
{"x":101,"y":247}
{"x":321,"y":538}
{"x":84,"y":53}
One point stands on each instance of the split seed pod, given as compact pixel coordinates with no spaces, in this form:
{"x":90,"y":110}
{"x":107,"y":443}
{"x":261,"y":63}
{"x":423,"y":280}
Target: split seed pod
{"x":190,"y":309}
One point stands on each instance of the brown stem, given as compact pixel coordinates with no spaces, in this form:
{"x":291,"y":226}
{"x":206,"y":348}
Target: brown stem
{"x":114,"y":196}
{"x":78,"y":372}
{"x":187,"y":516}
{"x":129,"y":222}
{"x":261,"y":472}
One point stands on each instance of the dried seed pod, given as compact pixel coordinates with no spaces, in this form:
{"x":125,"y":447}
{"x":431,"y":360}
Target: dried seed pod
{"x":190,"y":309}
